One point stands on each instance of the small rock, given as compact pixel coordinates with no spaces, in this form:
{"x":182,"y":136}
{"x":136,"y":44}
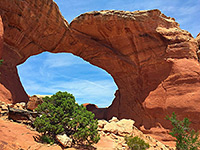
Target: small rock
{"x":4,"y":107}
{"x":22,"y":104}
{"x":114,"y":119}
{"x":2,"y":103}
{"x":124,"y":145}
{"x":64,"y":140}
{"x":101,"y":124}
{"x":18,"y":106}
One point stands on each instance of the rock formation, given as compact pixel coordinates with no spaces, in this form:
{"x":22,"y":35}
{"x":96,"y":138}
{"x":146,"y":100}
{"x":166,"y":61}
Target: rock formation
{"x":118,"y":129}
{"x":33,"y":102}
{"x":198,"y":41}
{"x":20,"y":136}
{"x":153,"y":62}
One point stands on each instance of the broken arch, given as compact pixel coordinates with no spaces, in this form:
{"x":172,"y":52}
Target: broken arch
{"x":47,"y":73}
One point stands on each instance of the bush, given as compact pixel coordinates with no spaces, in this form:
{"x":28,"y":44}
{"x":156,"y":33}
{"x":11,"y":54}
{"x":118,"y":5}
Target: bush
{"x":136,"y":143}
{"x":47,"y":139}
{"x":1,"y":62}
{"x":61,"y":114}
{"x":186,"y":138}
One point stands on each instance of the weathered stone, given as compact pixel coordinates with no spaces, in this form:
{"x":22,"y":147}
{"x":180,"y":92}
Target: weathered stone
{"x":21,"y":115}
{"x":126,"y":126}
{"x":33,"y":102}
{"x":111,"y":128}
{"x":118,"y":130}
{"x":114,"y":119}
{"x":101,"y":124}
{"x":113,"y":136}
{"x":64,"y":140}
{"x":4,"y":107}
{"x":21,"y":106}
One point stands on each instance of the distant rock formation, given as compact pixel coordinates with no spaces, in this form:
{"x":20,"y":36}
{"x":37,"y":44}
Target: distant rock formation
{"x":153,"y":62}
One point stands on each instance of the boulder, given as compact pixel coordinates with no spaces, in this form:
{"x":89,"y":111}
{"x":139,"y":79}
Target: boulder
{"x":111,"y":128}
{"x":21,"y":115}
{"x":114,"y":126}
{"x":64,"y":140}
{"x":126,"y":126}
{"x":33,"y":102}
{"x":114,"y":119}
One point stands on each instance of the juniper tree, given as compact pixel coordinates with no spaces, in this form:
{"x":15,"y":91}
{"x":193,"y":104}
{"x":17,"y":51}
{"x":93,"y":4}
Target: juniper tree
{"x":61,"y":114}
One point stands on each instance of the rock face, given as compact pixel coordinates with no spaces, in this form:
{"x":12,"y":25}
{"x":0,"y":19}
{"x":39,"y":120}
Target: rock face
{"x":16,"y":136}
{"x":153,"y":62}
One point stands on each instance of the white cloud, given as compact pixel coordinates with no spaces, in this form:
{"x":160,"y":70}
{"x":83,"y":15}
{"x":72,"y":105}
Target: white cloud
{"x":99,"y":92}
{"x":62,"y":60}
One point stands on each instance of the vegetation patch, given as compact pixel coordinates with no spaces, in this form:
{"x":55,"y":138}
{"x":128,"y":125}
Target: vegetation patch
{"x":186,"y":138}
{"x":136,"y":143}
{"x":60,"y":114}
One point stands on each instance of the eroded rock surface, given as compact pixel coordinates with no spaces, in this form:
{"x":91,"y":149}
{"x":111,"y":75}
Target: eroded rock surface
{"x":33,"y":102}
{"x":153,"y":62}
{"x":18,"y":136}
{"x":117,"y":129}
{"x":198,"y":41}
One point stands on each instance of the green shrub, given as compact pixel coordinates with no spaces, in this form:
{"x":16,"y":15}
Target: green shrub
{"x":61,"y":114}
{"x":136,"y":143}
{"x":1,"y":62}
{"x":84,"y":126}
{"x":47,"y":139}
{"x":186,"y":138}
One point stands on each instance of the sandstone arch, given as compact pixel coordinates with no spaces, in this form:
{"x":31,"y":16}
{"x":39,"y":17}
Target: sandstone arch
{"x":153,"y":62}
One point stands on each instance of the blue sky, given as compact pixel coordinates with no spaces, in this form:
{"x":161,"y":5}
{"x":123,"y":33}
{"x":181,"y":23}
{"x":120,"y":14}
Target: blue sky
{"x":47,"y":73}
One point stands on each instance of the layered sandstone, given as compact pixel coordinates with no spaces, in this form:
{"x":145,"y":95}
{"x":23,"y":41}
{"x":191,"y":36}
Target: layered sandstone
{"x":153,"y":62}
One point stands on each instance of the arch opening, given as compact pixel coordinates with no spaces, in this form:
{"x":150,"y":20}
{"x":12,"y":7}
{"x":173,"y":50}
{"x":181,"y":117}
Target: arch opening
{"x":47,"y":73}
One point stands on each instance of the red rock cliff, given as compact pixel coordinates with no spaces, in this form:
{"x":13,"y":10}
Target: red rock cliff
{"x":153,"y":62}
